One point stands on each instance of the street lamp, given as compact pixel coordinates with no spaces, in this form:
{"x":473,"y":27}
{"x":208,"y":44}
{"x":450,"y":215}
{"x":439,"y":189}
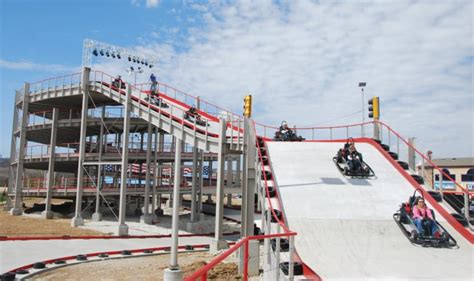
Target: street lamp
{"x":132,"y":70}
{"x":362,"y":85}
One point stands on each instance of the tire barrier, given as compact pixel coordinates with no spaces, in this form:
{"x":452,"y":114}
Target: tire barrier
{"x":103,"y":255}
{"x":271,"y":192}
{"x":148,"y":252}
{"x":39,"y":265}
{"x":81,"y":257}
{"x":418,"y":179}
{"x":297,"y":268}
{"x":277,"y":213}
{"x":402,"y":164}
{"x":436,"y":195}
{"x":394,"y":155}
{"x":22,"y":271}
{"x":377,"y":141}
{"x":284,"y":244}
{"x":188,"y":247}
{"x":9,"y":276}
{"x":126,"y":253}
{"x":59,"y":262}
{"x":462,"y":220}
{"x":267,"y":174}
{"x":385,"y":147}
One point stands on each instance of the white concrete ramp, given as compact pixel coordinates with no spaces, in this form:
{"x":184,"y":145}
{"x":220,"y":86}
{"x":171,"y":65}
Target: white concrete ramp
{"x":345,"y":226}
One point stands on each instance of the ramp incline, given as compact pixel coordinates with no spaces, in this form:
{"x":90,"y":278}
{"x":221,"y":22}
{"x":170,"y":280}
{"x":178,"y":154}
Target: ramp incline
{"x":345,"y":226}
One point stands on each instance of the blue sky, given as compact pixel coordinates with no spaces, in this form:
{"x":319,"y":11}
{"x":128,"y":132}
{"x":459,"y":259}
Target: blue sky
{"x":302,"y":60}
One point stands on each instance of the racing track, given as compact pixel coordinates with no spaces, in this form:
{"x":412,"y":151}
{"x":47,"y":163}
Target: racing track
{"x":345,"y":226}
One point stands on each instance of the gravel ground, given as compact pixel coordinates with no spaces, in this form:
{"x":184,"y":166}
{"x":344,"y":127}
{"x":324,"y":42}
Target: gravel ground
{"x":140,"y":268}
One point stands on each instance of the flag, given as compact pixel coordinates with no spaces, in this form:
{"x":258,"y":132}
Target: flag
{"x":109,"y":168}
{"x":205,"y":172}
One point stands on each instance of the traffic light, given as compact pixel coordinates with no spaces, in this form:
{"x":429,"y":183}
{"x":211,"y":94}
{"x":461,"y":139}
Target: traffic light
{"x":374,"y":108}
{"x":248,"y":106}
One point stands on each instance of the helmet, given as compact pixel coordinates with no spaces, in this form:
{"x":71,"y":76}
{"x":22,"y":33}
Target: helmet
{"x":284,"y":123}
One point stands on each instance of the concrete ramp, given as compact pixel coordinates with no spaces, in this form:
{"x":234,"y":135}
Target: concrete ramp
{"x":345,"y":226}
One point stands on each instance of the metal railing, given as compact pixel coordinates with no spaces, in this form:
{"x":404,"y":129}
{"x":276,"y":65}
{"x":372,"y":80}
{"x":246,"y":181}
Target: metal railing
{"x":60,"y":82}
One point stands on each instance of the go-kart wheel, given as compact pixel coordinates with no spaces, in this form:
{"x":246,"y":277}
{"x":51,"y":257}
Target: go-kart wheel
{"x":444,"y":237}
{"x":414,"y":235}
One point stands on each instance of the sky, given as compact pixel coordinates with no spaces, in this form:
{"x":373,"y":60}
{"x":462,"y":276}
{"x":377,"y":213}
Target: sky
{"x":302,"y":61}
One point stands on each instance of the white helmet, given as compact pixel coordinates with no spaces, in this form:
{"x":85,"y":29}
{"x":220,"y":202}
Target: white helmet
{"x":284,"y":123}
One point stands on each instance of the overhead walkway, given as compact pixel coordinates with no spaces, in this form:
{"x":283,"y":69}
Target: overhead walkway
{"x":345,"y":226}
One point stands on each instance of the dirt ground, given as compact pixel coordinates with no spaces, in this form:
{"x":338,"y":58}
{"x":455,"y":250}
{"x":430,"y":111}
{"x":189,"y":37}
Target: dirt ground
{"x":140,"y":268}
{"x":34,"y":226}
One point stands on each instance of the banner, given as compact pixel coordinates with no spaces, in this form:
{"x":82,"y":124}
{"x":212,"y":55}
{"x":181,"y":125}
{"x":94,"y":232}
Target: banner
{"x":446,"y":185}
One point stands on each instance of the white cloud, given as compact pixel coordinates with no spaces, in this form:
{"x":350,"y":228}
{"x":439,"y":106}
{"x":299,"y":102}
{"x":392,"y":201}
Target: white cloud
{"x":152,"y":3}
{"x":25,"y":65}
{"x":302,"y":62}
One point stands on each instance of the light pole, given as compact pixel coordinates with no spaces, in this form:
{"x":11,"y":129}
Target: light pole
{"x":362,"y":85}
{"x":132,"y":70}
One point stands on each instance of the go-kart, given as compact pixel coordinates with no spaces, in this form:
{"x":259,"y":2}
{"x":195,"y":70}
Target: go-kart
{"x":287,"y":136}
{"x":118,"y":84}
{"x":156,"y":101}
{"x":357,"y":169}
{"x":403,"y":217}
{"x":192,"y":115}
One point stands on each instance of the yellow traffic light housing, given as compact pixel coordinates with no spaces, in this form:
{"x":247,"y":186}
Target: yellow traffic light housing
{"x":374,"y":108}
{"x":248,"y":106}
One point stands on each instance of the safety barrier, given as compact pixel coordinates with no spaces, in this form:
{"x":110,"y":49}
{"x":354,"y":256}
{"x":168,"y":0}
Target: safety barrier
{"x":202,"y":273}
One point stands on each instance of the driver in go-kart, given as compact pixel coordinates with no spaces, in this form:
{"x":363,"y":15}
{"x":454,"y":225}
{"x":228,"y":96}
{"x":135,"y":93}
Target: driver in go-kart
{"x":353,"y":158}
{"x":285,"y":131}
{"x":422,"y":216}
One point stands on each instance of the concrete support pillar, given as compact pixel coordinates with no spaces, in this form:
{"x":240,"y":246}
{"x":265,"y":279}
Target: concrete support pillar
{"x":12,"y":167}
{"x":377,"y":130}
{"x":47,"y":214}
{"x":97,"y":216}
{"x":237,"y":170}
{"x":193,"y":224}
{"x":229,"y":200}
{"x":173,"y":272}
{"x":17,"y":209}
{"x":201,"y":181}
{"x":155,"y":206}
{"x":194,"y":185}
{"x":210,"y":172}
{"x":218,"y":243}
{"x":123,"y":228}
{"x":248,"y":191}
{"x":147,"y":218}
{"x":229,"y":171}
{"x":78,"y":220}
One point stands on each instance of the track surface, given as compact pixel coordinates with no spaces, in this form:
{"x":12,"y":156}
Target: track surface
{"x":345,"y":226}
